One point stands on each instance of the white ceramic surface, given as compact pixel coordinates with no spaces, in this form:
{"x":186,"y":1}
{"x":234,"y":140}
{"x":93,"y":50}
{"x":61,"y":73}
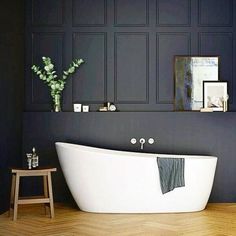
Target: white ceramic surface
{"x":108,"y":181}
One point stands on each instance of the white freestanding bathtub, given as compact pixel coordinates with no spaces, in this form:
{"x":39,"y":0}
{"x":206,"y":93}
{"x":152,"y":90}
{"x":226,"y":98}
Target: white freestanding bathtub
{"x":107,"y":181}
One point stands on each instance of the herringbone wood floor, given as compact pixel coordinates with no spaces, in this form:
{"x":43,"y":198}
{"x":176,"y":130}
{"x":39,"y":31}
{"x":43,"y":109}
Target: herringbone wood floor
{"x":216,"y":220}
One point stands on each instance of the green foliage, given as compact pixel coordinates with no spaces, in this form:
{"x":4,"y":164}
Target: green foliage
{"x":49,"y":76}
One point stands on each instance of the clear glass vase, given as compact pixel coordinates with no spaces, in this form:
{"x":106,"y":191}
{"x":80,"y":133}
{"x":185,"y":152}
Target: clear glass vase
{"x":57,"y":103}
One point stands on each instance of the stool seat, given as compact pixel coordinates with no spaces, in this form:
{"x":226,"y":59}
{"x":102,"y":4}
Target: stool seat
{"x":33,"y":172}
{"x":15,"y":200}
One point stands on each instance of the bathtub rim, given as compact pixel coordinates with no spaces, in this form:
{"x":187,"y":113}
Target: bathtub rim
{"x":86,"y":148}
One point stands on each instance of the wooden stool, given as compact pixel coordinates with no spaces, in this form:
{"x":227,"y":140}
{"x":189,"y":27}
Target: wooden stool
{"x":15,"y":200}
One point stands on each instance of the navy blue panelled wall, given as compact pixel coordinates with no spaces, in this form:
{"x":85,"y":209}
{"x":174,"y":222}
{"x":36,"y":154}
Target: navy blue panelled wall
{"x":128,"y":48}
{"x":11,"y":92}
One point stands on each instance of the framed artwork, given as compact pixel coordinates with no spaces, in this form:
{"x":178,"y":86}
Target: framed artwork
{"x":189,"y":74}
{"x":215,"y":93}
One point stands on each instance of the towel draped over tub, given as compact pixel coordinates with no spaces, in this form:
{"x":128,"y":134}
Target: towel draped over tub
{"x":171,"y":171}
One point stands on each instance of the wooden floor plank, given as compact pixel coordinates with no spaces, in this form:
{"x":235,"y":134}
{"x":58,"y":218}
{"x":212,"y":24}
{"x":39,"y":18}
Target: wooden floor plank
{"x":217,"y":219}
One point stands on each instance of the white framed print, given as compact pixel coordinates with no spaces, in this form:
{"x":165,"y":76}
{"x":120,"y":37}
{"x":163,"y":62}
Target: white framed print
{"x":214,"y":94}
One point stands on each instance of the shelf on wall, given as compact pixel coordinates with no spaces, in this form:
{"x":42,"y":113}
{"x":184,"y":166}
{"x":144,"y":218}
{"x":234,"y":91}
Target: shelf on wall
{"x":70,"y":112}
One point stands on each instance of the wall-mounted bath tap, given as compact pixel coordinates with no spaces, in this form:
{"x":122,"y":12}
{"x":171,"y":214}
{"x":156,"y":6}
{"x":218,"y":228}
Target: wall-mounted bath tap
{"x":142,"y":141}
{"x":151,"y":141}
{"x":133,"y":140}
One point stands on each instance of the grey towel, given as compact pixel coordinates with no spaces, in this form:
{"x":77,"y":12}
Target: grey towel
{"x":171,"y":171}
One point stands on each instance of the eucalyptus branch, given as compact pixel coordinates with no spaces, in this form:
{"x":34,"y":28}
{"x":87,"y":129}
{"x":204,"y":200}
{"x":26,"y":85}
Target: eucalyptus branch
{"x":75,"y":64}
{"x":49,"y":76}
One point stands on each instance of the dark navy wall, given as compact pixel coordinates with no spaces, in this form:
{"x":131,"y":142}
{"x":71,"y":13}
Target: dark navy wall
{"x":11,"y":95}
{"x":128,"y":46}
{"x":174,"y":133}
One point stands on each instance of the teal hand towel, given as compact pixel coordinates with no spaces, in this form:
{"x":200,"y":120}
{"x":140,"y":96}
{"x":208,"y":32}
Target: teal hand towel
{"x":171,"y":172}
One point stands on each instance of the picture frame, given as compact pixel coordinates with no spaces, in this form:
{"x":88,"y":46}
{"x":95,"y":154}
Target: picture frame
{"x":215,"y":94}
{"x":189,"y":74}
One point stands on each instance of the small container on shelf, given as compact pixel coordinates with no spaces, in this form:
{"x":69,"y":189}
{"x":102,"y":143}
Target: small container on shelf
{"x":29,"y":160}
{"x":108,"y":106}
{"x":32,"y":159}
{"x":206,"y":109}
{"x":35,"y":159}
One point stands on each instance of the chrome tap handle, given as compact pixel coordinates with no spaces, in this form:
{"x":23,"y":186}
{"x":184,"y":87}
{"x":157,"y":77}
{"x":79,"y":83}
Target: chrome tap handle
{"x":142,"y":141}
